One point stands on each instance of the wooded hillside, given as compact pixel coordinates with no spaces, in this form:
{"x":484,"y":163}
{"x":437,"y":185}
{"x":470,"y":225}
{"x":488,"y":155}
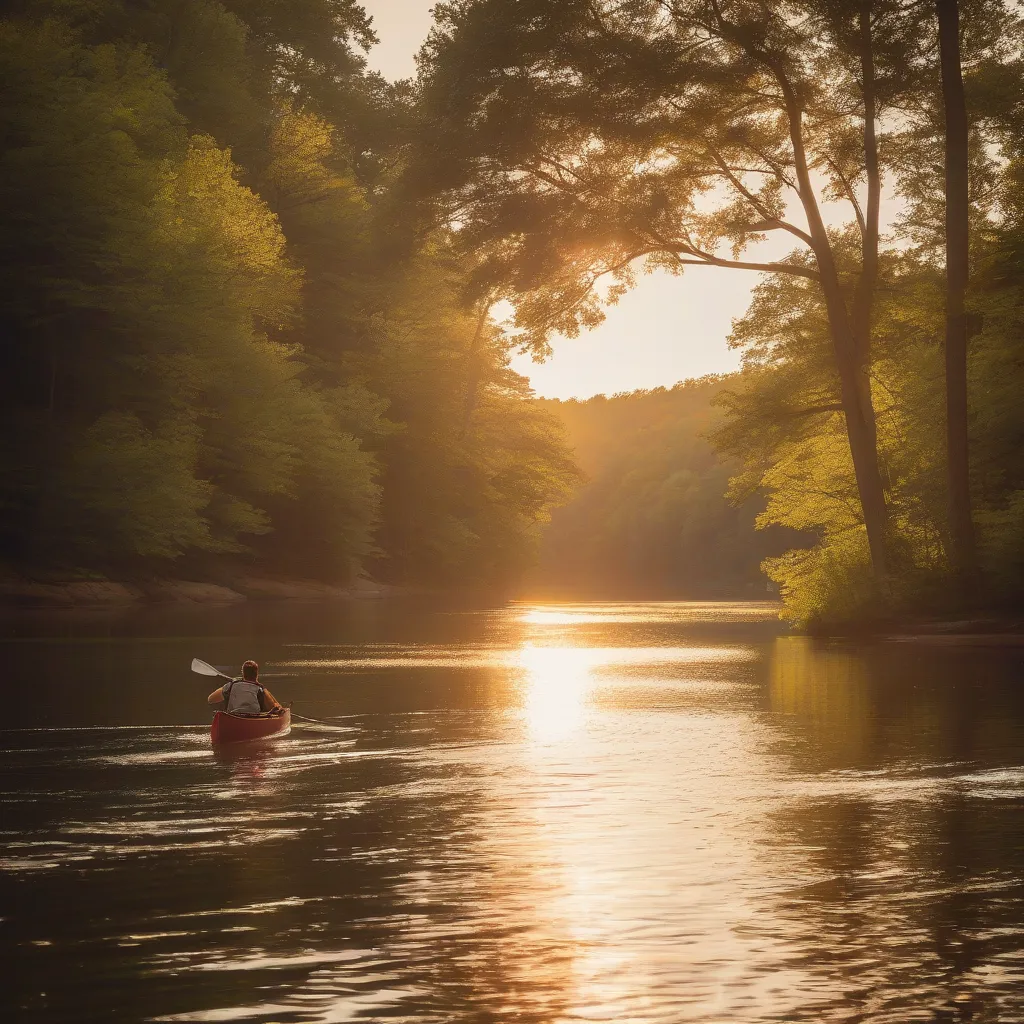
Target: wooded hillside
{"x":654,"y":518}
{"x":579,"y":143}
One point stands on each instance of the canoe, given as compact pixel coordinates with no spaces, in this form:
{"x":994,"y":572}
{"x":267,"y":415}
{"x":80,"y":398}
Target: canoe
{"x":240,"y":728}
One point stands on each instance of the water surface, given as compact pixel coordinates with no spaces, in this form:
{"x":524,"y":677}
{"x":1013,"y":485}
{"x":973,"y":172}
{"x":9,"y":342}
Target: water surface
{"x":629,"y":813}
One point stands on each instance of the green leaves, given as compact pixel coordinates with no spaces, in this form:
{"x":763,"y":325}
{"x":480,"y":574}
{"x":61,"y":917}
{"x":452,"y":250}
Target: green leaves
{"x":125,"y":489}
{"x":149,"y":287}
{"x":219,"y":340}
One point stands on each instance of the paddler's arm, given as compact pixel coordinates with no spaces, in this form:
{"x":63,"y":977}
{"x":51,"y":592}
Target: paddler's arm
{"x":270,"y":700}
{"x":217,"y":696}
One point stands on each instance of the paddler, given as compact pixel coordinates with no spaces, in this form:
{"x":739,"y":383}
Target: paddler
{"x":246,"y":696}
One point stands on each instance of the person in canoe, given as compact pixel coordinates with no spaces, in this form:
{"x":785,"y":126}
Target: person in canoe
{"x":246,"y":696}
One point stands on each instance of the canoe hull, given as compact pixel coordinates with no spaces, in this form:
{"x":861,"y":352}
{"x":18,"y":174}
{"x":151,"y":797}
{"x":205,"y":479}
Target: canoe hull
{"x":244,"y":729}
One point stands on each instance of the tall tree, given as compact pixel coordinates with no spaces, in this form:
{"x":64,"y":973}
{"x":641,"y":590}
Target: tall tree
{"x":957,"y":156}
{"x":578,"y":140}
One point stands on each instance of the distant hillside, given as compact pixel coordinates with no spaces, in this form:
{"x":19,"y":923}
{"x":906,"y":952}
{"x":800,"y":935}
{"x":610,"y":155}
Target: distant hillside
{"x":653,"y":520}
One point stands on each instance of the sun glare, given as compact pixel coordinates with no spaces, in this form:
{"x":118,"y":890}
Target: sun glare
{"x":549,"y":617}
{"x":556,"y":681}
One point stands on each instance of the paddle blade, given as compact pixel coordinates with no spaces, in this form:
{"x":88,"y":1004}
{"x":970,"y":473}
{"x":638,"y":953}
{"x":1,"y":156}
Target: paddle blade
{"x":204,"y":669}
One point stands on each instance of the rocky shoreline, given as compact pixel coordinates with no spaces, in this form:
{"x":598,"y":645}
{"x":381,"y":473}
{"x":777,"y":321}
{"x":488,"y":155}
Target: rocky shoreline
{"x":25,"y":593}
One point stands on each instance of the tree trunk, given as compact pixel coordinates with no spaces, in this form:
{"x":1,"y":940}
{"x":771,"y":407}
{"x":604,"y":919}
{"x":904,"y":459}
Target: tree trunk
{"x":961,"y":524}
{"x":867,"y":281}
{"x":855,"y":389}
{"x":860,"y":425}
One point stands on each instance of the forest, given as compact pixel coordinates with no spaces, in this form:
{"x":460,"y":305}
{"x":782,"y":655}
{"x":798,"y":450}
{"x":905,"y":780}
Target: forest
{"x":251,"y":303}
{"x":222,"y":336}
{"x":653,"y":517}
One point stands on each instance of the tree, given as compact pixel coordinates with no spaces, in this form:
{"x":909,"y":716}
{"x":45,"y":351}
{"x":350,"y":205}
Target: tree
{"x":575,"y":141}
{"x":466,"y":489}
{"x":156,"y":407}
{"x":957,"y":156}
{"x":470,"y":468}
{"x":785,"y":426}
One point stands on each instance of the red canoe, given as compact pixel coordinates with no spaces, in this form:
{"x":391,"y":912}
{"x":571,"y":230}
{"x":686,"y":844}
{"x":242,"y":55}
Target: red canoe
{"x":238,"y":728}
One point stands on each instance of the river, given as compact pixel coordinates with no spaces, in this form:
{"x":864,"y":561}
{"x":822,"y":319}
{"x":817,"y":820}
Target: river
{"x":659,"y":812}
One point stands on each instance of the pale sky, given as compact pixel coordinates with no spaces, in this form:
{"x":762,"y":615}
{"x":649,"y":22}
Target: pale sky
{"x":665,"y":330}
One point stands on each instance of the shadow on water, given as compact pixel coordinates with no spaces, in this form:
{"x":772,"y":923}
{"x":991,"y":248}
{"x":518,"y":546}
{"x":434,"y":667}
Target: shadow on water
{"x":644,"y":812}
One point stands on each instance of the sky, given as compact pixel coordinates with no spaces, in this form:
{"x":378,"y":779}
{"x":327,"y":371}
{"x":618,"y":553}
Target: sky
{"x":665,"y":330}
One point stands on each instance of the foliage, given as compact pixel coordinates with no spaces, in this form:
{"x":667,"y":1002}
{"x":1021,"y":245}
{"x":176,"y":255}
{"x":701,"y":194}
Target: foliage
{"x":782,"y":427}
{"x":574,"y":144}
{"x":577,"y":143}
{"x":471,"y":479}
{"x":211,"y":343}
{"x":230,"y":326}
{"x":653,"y":518}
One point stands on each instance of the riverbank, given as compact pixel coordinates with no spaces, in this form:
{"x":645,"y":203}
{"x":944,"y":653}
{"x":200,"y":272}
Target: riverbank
{"x":24,"y":592}
{"x":996,"y":629}
{"x":987,"y":631}
{"x":999,"y":628}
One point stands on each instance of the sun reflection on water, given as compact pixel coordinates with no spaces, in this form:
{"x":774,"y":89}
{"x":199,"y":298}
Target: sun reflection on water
{"x":676,"y":612}
{"x":556,"y":683}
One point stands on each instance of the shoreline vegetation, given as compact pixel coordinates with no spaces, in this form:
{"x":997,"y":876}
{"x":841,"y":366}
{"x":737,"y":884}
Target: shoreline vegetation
{"x":877,"y":410}
{"x":227,"y":338}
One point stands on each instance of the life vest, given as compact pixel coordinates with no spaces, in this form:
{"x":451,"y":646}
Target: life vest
{"x":258,"y":694}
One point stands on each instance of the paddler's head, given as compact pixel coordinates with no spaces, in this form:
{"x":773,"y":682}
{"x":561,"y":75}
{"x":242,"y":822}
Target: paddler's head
{"x":251,"y":671}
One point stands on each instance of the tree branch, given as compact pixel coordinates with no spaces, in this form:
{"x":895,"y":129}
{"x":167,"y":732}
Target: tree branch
{"x":755,"y":202}
{"x":707,"y":260}
{"x":850,"y":194}
{"x":595,"y":276}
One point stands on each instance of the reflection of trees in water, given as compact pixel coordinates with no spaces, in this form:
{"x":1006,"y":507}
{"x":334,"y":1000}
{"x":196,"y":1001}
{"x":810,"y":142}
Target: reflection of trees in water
{"x":917,"y":864}
{"x":872,"y":706}
{"x":823,"y":691}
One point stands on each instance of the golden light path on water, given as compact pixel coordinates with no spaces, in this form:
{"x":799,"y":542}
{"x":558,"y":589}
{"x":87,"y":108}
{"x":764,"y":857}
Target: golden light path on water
{"x":558,"y":682}
{"x":555,"y":689}
{"x":602,"y":824}
{"x":648,"y":612}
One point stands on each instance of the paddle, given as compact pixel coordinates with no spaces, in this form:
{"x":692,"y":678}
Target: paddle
{"x":204,"y":668}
